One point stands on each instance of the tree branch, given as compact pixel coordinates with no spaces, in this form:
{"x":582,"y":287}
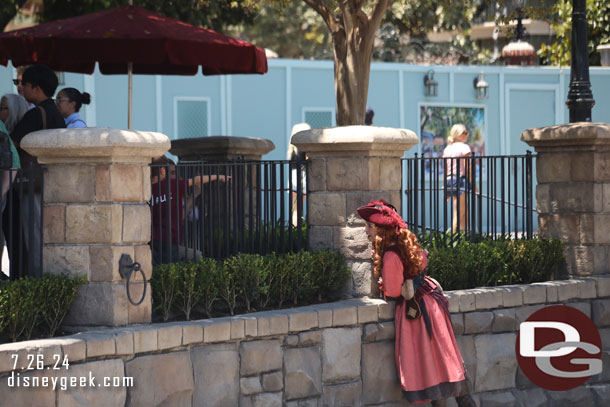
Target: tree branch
{"x":329,"y":18}
{"x":378,"y":12}
{"x":355,"y":20}
{"x":361,"y":17}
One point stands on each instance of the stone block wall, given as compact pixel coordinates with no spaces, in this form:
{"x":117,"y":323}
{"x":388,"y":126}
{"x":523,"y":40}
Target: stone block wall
{"x":338,"y":354}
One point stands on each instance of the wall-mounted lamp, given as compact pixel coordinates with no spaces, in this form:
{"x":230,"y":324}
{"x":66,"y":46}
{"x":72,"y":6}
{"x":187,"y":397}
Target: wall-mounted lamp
{"x":430,"y":85}
{"x":480,"y":86}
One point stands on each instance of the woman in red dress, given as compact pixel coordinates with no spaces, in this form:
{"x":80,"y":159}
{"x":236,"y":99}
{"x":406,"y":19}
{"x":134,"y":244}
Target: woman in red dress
{"x":428,"y":361}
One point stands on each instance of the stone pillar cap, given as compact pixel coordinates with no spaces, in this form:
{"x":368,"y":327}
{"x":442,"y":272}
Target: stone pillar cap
{"x":571,"y":134}
{"x":385,"y":141}
{"x":221,"y":146}
{"x":95,"y":144}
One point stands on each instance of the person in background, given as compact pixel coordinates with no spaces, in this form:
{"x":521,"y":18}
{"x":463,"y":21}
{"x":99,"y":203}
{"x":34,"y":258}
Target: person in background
{"x":17,"y":80}
{"x":12,"y":109}
{"x":368,"y":116}
{"x":428,"y":361}
{"x":294,"y":154}
{"x":181,"y":200}
{"x":39,"y":84}
{"x":458,"y":174}
{"x":19,"y":85}
{"x":69,"y":102}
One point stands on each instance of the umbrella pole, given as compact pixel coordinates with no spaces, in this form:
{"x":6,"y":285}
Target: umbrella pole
{"x":130,"y":96}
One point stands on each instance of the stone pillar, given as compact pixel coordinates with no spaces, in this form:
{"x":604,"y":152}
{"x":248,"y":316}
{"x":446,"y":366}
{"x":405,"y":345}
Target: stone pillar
{"x":221,"y":148}
{"x":96,"y":188}
{"x":350,"y":166}
{"x":573,"y":191}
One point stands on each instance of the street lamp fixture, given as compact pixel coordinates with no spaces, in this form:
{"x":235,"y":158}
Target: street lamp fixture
{"x":430,"y":85}
{"x":480,"y":86}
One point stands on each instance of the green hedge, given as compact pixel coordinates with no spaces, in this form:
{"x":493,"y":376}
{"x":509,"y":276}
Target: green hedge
{"x":495,"y":262}
{"x":31,"y":307}
{"x":252,"y":282}
{"x":246,"y":283}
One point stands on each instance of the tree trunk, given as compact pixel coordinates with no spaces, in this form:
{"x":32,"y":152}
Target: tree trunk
{"x":353,"y":33}
{"x":352,"y":69}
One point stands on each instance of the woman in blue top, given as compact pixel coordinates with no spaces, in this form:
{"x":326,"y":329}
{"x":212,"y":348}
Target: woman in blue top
{"x":69,"y":101}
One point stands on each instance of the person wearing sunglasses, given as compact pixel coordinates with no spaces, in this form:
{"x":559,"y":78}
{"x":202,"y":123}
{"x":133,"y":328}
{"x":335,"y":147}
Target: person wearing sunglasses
{"x":69,"y":102}
{"x":19,"y":83}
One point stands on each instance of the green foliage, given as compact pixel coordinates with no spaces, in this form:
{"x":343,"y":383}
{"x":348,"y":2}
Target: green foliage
{"x":35,"y":307}
{"x":213,"y":14}
{"x":247,"y":270}
{"x":4,"y":301}
{"x":494,"y":262}
{"x":598,"y":32}
{"x":208,"y":278}
{"x":179,"y":287}
{"x":281,"y":285}
{"x":163,"y":283}
{"x":228,"y":286}
{"x":22,"y":307}
{"x":187,"y":293}
{"x":247,"y":281}
{"x":418,"y":17}
{"x":533,"y":260}
{"x":59,"y":293}
{"x":467,"y":265}
{"x":329,"y":272}
{"x":295,"y":31}
{"x":267,"y":280}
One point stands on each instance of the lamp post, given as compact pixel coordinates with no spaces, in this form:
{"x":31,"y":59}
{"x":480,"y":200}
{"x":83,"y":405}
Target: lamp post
{"x":580,"y":98}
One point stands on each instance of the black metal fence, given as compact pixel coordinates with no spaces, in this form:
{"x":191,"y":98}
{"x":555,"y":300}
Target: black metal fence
{"x":449,"y":198}
{"x":212,"y":209}
{"x":21,"y":221}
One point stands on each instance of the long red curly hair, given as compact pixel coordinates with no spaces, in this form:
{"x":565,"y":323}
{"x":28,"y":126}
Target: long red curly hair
{"x":409,"y":250}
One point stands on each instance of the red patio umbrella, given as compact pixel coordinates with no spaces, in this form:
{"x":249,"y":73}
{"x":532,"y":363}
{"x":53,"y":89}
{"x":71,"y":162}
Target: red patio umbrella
{"x":129,"y":40}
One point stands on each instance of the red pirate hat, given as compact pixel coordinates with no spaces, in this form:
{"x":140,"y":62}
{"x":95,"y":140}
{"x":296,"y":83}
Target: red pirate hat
{"x":382,"y":214}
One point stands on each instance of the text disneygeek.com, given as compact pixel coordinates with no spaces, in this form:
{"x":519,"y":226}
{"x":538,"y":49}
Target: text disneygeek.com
{"x":63,"y":383}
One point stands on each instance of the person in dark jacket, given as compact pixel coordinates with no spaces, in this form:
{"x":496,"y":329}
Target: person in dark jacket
{"x":39,"y":84}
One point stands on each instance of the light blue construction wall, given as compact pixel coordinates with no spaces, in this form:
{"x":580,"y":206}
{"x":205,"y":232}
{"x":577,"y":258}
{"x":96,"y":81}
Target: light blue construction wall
{"x":267,"y":106}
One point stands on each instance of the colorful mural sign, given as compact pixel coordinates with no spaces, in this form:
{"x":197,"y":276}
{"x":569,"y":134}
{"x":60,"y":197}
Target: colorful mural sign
{"x":435,"y":122}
